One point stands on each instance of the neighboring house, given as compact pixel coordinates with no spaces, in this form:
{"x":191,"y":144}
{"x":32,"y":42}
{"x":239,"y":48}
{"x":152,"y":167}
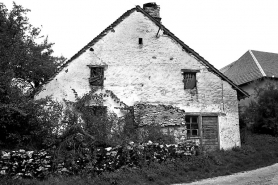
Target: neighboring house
{"x":138,"y":62}
{"x":251,"y":70}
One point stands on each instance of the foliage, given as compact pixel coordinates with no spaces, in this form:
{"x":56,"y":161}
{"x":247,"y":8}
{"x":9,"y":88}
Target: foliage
{"x":153,"y":132}
{"x":33,"y":128}
{"x":263,"y":111}
{"x":106,"y":128}
{"x":124,"y":130}
{"x":22,"y":57}
{"x":24,"y":65}
{"x":129,"y":129}
{"x":82,"y":128}
{"x":89,"y":115}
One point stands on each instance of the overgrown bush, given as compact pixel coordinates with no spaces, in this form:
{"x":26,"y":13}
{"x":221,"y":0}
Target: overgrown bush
{"x":153,"y":132}
{"x":84,"y":131}
{"x":32,"y":127}
{"x":263,"y":110}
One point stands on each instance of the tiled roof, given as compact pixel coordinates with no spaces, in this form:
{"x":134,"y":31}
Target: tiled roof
{"x":268,"y":61}
{"x":165,"y":31}
{"x":251,"y":66}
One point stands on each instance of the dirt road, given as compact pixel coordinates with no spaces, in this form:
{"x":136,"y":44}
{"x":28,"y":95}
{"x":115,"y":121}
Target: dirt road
{"x":263,"y":176}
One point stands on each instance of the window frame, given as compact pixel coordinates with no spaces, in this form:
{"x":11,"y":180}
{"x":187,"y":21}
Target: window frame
{"x":96,"y":77}
{"x":189,"y":75}
{"x":190,"y":123}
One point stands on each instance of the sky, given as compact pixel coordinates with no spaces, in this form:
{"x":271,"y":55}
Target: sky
{"x":221,"y":31}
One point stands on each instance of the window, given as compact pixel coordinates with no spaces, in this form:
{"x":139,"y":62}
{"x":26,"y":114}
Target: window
{"x":140,"y":40}
{"x":189,"y":80}
{"x":192,"y":126}
{"x":97,"y":76}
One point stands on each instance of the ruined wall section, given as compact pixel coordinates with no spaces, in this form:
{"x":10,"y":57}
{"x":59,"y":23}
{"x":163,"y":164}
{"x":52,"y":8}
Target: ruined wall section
{"x":165,"y":115}
{"x":146,"y":73}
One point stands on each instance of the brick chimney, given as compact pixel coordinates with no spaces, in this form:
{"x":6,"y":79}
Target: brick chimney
{"x":153,"y":9}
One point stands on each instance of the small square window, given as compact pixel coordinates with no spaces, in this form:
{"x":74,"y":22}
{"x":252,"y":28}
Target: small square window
{"x":97,"y":76}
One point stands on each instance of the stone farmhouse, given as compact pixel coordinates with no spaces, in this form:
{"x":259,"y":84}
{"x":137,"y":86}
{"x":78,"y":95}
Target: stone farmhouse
{"x":252,"y":70}
{"x":137,"y":62}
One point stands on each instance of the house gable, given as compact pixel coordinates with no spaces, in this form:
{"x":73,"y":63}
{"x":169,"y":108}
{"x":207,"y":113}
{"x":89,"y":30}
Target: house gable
{"x":143,"y":62}
{"x":164,"y":30}
{"x":143,"y":65}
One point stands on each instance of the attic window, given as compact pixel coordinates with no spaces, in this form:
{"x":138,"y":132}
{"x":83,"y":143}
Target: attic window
{"x":97,"y":76}
{"x":140,"y":40}
{"x":189,"y":78}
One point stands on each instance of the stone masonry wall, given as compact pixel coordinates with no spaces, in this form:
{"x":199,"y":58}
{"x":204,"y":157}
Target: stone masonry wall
{"x":162,"y":114}
{"x":149,"y":73}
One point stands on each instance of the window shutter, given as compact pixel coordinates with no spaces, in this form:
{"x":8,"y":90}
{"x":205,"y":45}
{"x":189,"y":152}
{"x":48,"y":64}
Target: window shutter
{"x":189,"y":80}
{"x":97,"y":76}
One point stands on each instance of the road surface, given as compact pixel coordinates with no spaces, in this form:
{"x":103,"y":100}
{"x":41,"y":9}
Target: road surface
{"x":262,"y":176}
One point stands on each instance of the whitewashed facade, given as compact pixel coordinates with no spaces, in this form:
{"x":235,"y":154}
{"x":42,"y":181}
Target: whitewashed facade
{"x":144,"y":64}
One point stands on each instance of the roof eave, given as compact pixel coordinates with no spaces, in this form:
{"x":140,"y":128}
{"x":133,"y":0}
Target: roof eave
{"x":261,"y":78}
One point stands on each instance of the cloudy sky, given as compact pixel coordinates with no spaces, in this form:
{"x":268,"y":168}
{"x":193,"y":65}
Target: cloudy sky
{"x":219,"y":30}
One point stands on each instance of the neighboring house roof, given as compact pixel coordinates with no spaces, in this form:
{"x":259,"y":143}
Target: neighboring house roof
{"x":242,"y":93}
{"x":251,"y":66}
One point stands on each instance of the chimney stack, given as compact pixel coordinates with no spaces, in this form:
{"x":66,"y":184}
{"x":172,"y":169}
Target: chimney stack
{"x":153,"y":9}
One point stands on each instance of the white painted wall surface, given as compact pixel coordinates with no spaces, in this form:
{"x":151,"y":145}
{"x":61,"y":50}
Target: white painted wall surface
{"x":149,"y":73}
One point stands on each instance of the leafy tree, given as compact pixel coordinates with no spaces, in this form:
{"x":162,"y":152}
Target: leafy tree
{"x":267,"y":112}
{"x":263,"y":111}
{"x":33,"y":125}
{"x":22,"y":57}
{"x":25,"y":63}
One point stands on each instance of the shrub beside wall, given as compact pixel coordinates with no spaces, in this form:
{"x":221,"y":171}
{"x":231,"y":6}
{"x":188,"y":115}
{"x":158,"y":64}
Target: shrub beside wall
{"x":261,"y":115}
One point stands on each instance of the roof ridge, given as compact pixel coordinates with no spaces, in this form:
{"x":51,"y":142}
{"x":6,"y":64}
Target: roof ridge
{"x":257,"y":62}
{"x":264,"y":51}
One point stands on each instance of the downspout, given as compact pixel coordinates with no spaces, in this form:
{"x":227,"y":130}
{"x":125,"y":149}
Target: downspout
{"x":222,"y":96}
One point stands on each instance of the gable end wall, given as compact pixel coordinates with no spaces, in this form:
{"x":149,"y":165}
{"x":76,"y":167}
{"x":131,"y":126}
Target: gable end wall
{"x":149,"y":73}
